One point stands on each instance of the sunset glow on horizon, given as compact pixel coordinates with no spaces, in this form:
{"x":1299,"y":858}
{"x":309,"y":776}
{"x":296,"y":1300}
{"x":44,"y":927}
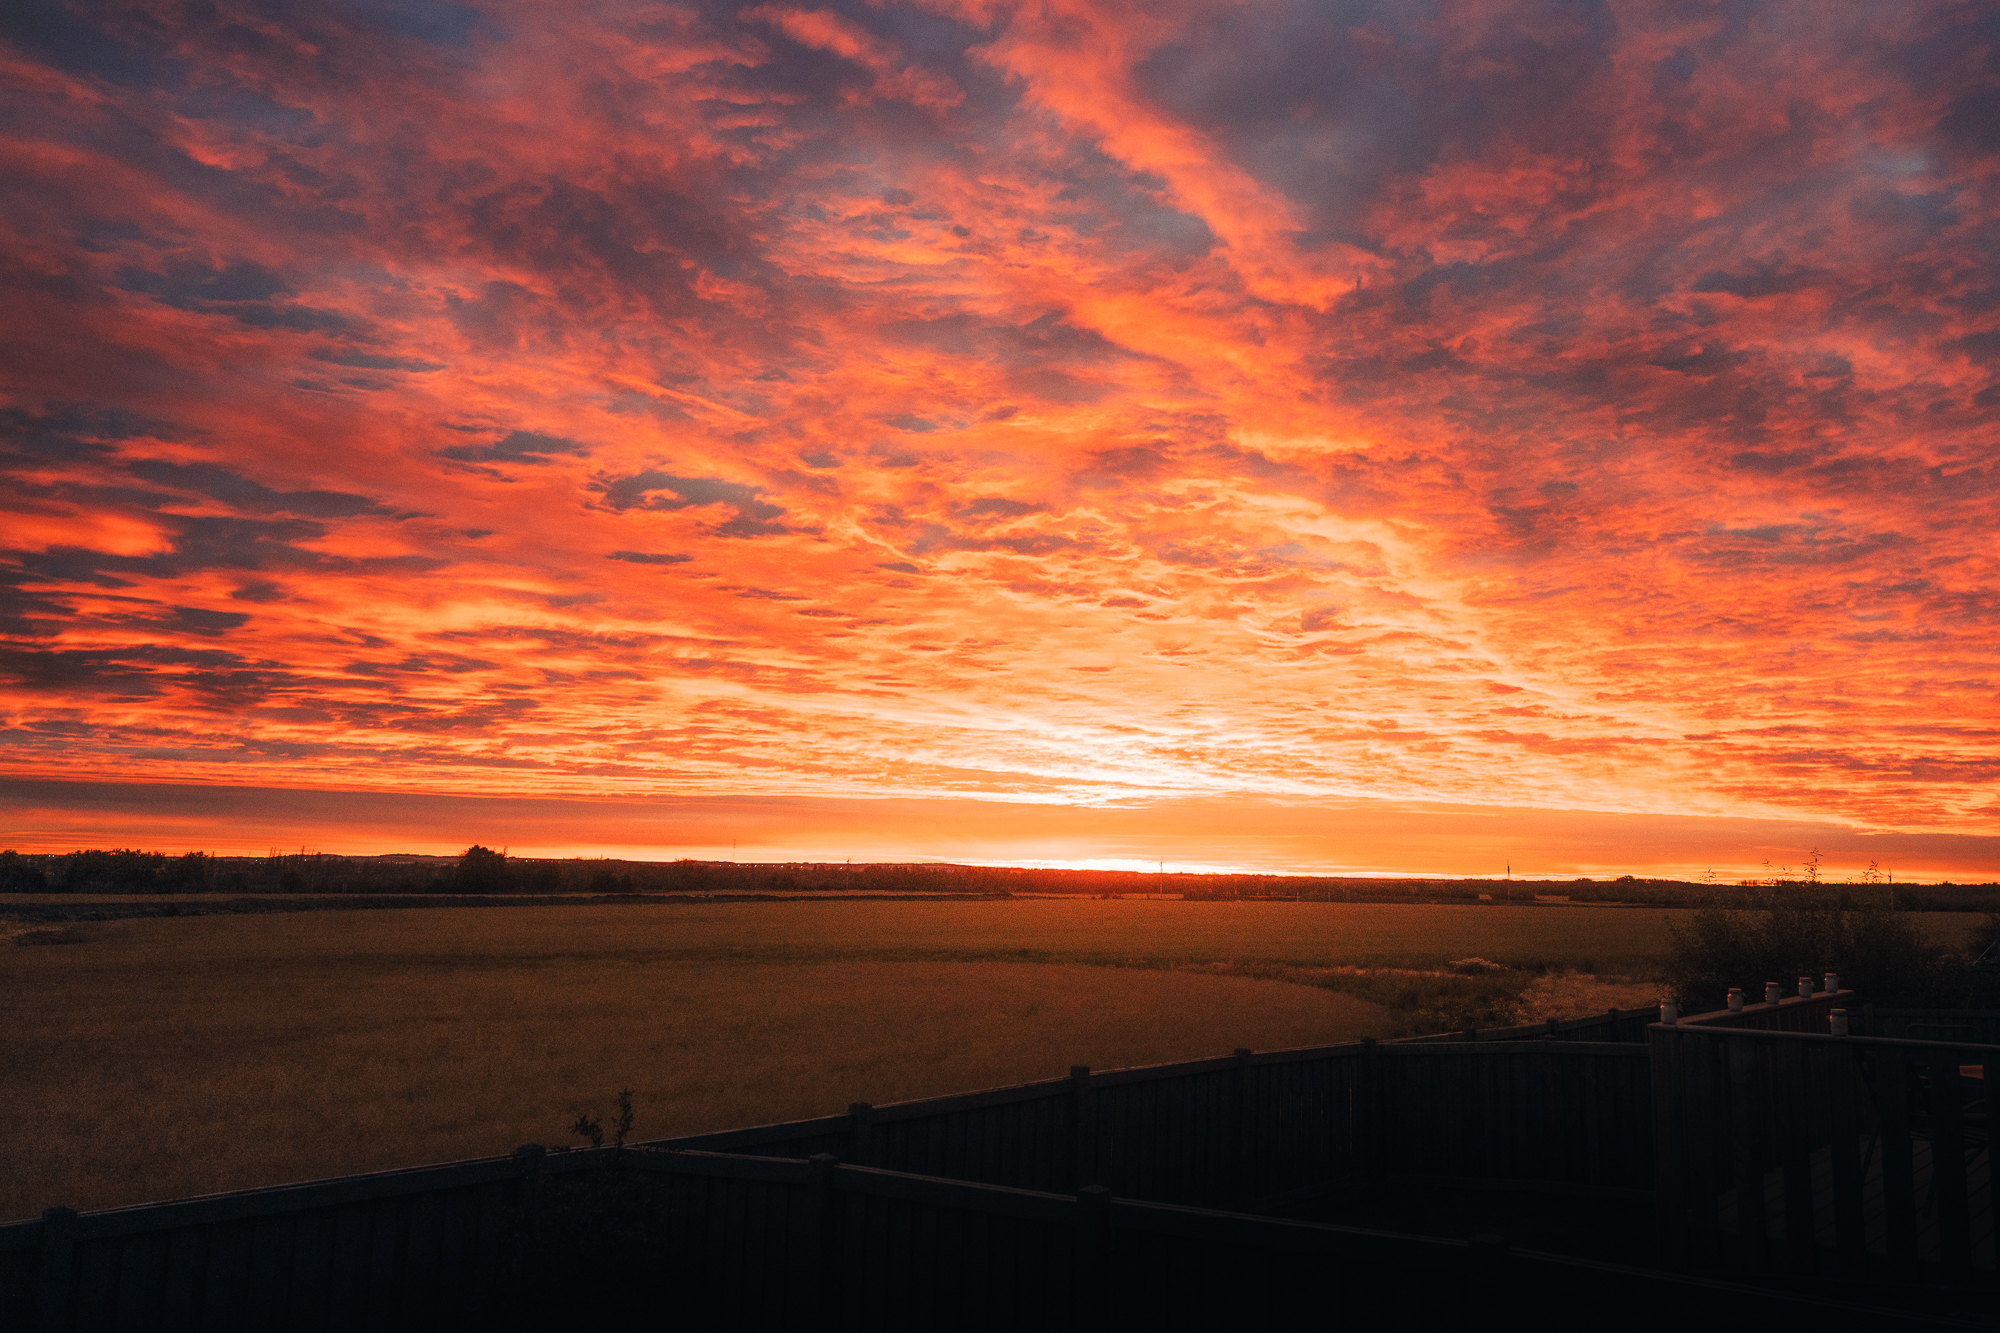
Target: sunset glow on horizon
{"x":1345,"y":438}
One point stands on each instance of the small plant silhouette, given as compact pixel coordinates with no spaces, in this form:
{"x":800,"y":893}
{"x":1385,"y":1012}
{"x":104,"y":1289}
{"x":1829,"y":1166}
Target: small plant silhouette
{"x":590,"y":1127}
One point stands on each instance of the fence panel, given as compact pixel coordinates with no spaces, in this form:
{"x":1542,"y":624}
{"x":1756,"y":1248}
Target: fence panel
{"x":1177,"y":1136}
{"x":1258,"y":1130}
{"x":718,"y":1240}
{"x":1565,"y":1113}
{"x":333,"y":1254}
{"x":1022,"y":1137}
{"x":1797,"y":1153}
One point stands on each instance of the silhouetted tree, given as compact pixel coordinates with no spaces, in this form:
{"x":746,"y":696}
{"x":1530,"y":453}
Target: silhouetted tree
{"x":20,"y":875}
{"x":482,"y":870}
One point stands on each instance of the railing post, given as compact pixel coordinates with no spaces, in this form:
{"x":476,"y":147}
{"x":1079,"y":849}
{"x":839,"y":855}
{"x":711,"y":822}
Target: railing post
{"x":57,"y":1262}
{"x":860,"y":1120}
{"x":1082,"y":1159}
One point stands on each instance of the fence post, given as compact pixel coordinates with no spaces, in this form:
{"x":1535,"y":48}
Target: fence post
{"x":822,"y":1295}
{"x":533,"y":1159}
{"x":860,"y":1118}
{"x":1082,"y":1159}
{"x":57,"y":1261}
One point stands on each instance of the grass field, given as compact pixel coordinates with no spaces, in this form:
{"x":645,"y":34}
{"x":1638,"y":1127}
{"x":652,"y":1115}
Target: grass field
{"x":162,"y":1058}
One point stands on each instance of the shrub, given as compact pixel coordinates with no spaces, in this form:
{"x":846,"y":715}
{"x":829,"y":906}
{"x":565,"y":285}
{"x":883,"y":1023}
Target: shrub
{"x":1792,"y":932}
{"x":481,"y":870}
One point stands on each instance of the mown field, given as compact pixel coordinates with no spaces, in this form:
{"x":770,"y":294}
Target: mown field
{"x":160,"y":1058}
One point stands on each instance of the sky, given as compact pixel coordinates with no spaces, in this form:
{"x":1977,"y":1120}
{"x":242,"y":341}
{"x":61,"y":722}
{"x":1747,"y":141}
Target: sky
{"x":1318,"y":436}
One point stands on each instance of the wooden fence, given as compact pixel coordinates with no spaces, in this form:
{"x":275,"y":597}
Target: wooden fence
{"x":1806,"y":1154}
{"x":367,"y":1250}
{"x":1258,"y":1130}
{"x":720,"y":1240}
{"x":1023,"y":1201}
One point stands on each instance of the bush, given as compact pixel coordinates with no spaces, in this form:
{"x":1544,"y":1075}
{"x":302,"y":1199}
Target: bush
{"x":1794,"y":932}
{"x":481,"y":870}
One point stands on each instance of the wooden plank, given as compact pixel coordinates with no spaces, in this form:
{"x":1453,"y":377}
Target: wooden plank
{"x":180,"y":1282}
{"x":1668,"y":1050}
{"x":1794,"y":1153}
{"x":1368,"y":1100}
{"x":1706,"y":1141}
{"x":420,"y":1258}
{"x":1986,"y":1213}
{"x":138,"y":1266}
{"x":1947,"y":1127}
{"x":1746,"y":1129}
{"x":96,"y":1270}
{"x":1009,"y":1168}
{"x":224,"y":1284}
{"x":1899,"y":1192}
{"x":1599,"y":1091}
{"x":1844,"y":1156}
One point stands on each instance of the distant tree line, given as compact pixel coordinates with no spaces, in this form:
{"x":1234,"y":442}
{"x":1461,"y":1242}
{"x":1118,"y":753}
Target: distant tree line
{"x":482,"y":870}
